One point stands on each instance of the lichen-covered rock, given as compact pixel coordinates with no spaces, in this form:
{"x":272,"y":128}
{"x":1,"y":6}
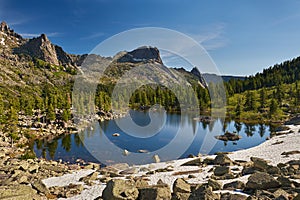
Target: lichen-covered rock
{"x":262,"y":181}
{"x":18,"y":192}
{"x":222,"y":159}
{"x":215,"y":185}
{"x":156,"y":192}
{"x":194,"y":162}
{"x":118,"y":189}
{"x":221,"y":170}
{"x":181,"y":186}
{"x":234,"y":185}
{"x":229,"y":196}
{"x":204,"y":192}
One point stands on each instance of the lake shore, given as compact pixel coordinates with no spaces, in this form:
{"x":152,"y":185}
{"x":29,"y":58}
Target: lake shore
{"x":43,"y":179}
{"x":195,"y":171}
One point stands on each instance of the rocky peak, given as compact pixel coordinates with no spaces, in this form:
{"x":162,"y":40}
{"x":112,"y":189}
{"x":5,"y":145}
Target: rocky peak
{"x":199,"y":76}
{"x":141,"y":54}
{"x":5,"y":30}
{"x":4,"y":27}
{"x":42,"y":48}
{"x":44,"y":37}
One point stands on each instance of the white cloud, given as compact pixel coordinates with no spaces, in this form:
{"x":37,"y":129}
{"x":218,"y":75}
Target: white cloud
{"x":92,"y":36}
{"x":54,"y":34}
{"x":211,"y":38}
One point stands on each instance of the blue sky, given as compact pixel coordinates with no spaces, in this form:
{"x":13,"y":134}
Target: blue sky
{"x":242,"y":37}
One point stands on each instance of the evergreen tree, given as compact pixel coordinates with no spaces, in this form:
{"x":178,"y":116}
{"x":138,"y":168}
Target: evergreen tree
{"x":51,"y":113}
{"x":262,"y":98}
{"x":273,"y":107}
{"x":239,"y":108}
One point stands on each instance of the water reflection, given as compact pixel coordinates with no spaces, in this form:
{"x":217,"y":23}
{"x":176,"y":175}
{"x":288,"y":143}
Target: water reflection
{"x":177,"y":129}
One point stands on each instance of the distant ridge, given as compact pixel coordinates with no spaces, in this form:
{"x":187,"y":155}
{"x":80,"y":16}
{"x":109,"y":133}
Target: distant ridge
{"x":214,"y":78}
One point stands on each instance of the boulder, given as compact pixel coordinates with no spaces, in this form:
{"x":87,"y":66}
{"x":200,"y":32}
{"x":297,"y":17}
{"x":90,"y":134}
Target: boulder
{"x":141,"y":183}
{"x":222,"y":159}
{"x":156,"y":158}
{"x":118,"y":189}
{"x":221,"y":170}
{"x":285,"y":182}
{"x":297,"y":197}
{"x":228,"y":137}
{"x":40,"y":187}
{"x":234,"y":185}
{"x":24,"y":165}
{"x":18,"y":192}
{"x":156,"y":192}
{"x":281,"y":194}
{"x":261,"y":181}
{"x":215,"y":185}
{"x":131,"y":170}
{"x":259,"y":163}
{"x":204,"y":192}
{"x":92,"y":177}
{"x":229,"y":196}
{"x":194,"y":162}
{"x":181,"y":186}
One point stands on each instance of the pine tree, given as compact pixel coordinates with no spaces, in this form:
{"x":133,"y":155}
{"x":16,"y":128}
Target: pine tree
{"x":262,"y":98}
{"x":51,"y":113}
{"x":239,"y":108}
{"x":273,"y":107}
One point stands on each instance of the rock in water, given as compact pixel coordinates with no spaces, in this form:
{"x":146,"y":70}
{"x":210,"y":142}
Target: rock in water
{"x":125,"y":152}
{"x":228,"y":137}
{"x":156,"y":158}
{"x":143,"y":151}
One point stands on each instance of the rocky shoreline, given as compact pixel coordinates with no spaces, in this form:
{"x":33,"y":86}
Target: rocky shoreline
{"x":268,"y":171}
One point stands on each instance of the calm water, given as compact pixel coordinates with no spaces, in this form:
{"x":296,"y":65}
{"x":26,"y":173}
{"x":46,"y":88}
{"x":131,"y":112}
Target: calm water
{"x":170,"y":136}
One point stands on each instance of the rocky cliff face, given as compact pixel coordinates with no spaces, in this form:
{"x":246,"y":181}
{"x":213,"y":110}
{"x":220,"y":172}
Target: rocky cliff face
{"x":42,"y":48}
{"x":199,"y":76}
{"x":142,"y":54}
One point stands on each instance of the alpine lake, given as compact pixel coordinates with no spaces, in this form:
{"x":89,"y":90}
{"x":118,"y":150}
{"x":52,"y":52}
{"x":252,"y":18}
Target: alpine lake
{"x":168,"y":135}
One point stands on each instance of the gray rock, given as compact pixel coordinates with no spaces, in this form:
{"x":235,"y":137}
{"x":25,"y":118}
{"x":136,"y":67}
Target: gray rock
{"x":234,"y":185}
{"x":259,"y":163}
{"x":221,"y":170}
{"x":228,"y":196}
{"x":261,"y":180}
{"x":297,"y":197}
{"x":118,"y":189}
{"x":204,"y":192}
{"x":222,"y":159}
{"x":215,"y":185}
{"x":194,"y":162}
